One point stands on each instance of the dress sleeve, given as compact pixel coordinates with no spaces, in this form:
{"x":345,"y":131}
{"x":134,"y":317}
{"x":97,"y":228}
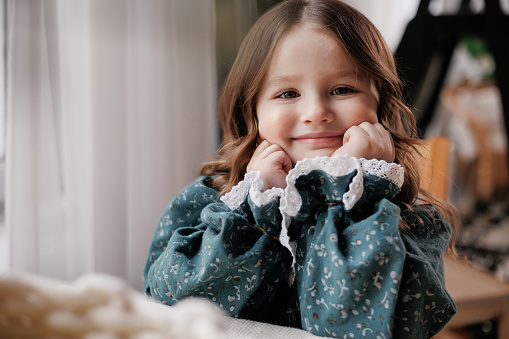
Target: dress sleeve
{"x":203,"y":248}
{"x":424,"y":307}
{"x":353,"y":264}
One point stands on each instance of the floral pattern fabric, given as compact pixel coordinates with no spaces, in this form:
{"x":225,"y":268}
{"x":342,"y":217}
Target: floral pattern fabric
{"x":349,"y":273}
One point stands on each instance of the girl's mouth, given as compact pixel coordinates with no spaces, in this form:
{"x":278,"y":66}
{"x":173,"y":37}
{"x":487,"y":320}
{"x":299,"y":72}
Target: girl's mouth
{"x":319,"y":139}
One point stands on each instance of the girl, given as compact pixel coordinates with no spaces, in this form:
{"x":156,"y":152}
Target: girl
{"x":309,"y":217}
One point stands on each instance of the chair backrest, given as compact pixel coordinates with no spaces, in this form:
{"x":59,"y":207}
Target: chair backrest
{"x":434,"y":166}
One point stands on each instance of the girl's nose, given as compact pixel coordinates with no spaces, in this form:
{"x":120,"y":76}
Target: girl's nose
{"x":317,"y":111}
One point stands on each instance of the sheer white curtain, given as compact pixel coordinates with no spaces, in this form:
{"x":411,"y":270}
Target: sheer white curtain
{"x":111,"y":109}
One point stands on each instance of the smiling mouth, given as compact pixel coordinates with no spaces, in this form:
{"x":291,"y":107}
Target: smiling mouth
{"x":319,"y":139}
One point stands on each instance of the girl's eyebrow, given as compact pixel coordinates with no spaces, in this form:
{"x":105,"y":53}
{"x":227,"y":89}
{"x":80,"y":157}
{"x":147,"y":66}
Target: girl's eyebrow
{"x":347,"y":73}
{"x":282,"y":79}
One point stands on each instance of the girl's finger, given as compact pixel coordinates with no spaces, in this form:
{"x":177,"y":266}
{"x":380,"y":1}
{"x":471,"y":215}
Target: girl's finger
{"x":261,"y":147}
{"x":272,"y":148}
{"x":262,"y":152}
{"x":387,"y":143}
{"x":354,"y":131}
{"x":287,"y":162}
{"x":373,"y":130}
{"x":386,"y":136}
{"x":282,"y":159}
{"x":384,"y":133}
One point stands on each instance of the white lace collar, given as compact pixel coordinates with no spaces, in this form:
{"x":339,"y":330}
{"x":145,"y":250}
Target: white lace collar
{"x":335,"y":166}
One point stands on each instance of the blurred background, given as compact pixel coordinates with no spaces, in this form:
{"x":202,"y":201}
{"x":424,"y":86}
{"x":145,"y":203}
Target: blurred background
{"x":108,"y":108}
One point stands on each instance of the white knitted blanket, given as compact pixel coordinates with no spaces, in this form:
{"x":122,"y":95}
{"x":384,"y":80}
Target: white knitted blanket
{"x":99,"y":306}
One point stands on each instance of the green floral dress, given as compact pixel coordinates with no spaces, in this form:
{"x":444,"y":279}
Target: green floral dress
{"x":325,"y":254}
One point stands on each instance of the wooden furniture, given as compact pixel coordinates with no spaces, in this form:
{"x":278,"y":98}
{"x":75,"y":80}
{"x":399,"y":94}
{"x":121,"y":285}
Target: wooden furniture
{"x":433,"y":167}
{"x":478,"y":295}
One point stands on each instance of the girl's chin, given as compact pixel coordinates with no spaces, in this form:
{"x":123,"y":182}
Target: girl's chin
{"x":311,"y":155}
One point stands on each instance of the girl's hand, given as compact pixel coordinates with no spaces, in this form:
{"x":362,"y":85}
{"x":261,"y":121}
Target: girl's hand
{"x":272,"y":162}
{"x":368,"y":141}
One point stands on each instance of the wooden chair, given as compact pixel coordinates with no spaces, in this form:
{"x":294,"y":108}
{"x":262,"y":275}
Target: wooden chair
{"x":478,"y":295}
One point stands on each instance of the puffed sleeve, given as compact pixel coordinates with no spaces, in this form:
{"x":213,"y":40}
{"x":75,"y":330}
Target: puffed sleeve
{"x":424,"y":307}
{"x":353,"y":263}
{"x":203,"y":248}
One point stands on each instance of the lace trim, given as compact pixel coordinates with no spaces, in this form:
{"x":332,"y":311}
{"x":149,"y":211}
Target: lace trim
{"x":239,"y":192}
{"x":338,"y":166}
{"x":383,"y":169}
{"x":252,"y":185}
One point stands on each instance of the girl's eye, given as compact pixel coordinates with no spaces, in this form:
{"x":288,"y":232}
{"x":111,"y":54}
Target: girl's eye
{"x":342,"y":91}
{"x":288,"y":95}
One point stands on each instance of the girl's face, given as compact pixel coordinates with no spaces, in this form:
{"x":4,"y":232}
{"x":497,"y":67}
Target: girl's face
{"x":312,"y":94}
